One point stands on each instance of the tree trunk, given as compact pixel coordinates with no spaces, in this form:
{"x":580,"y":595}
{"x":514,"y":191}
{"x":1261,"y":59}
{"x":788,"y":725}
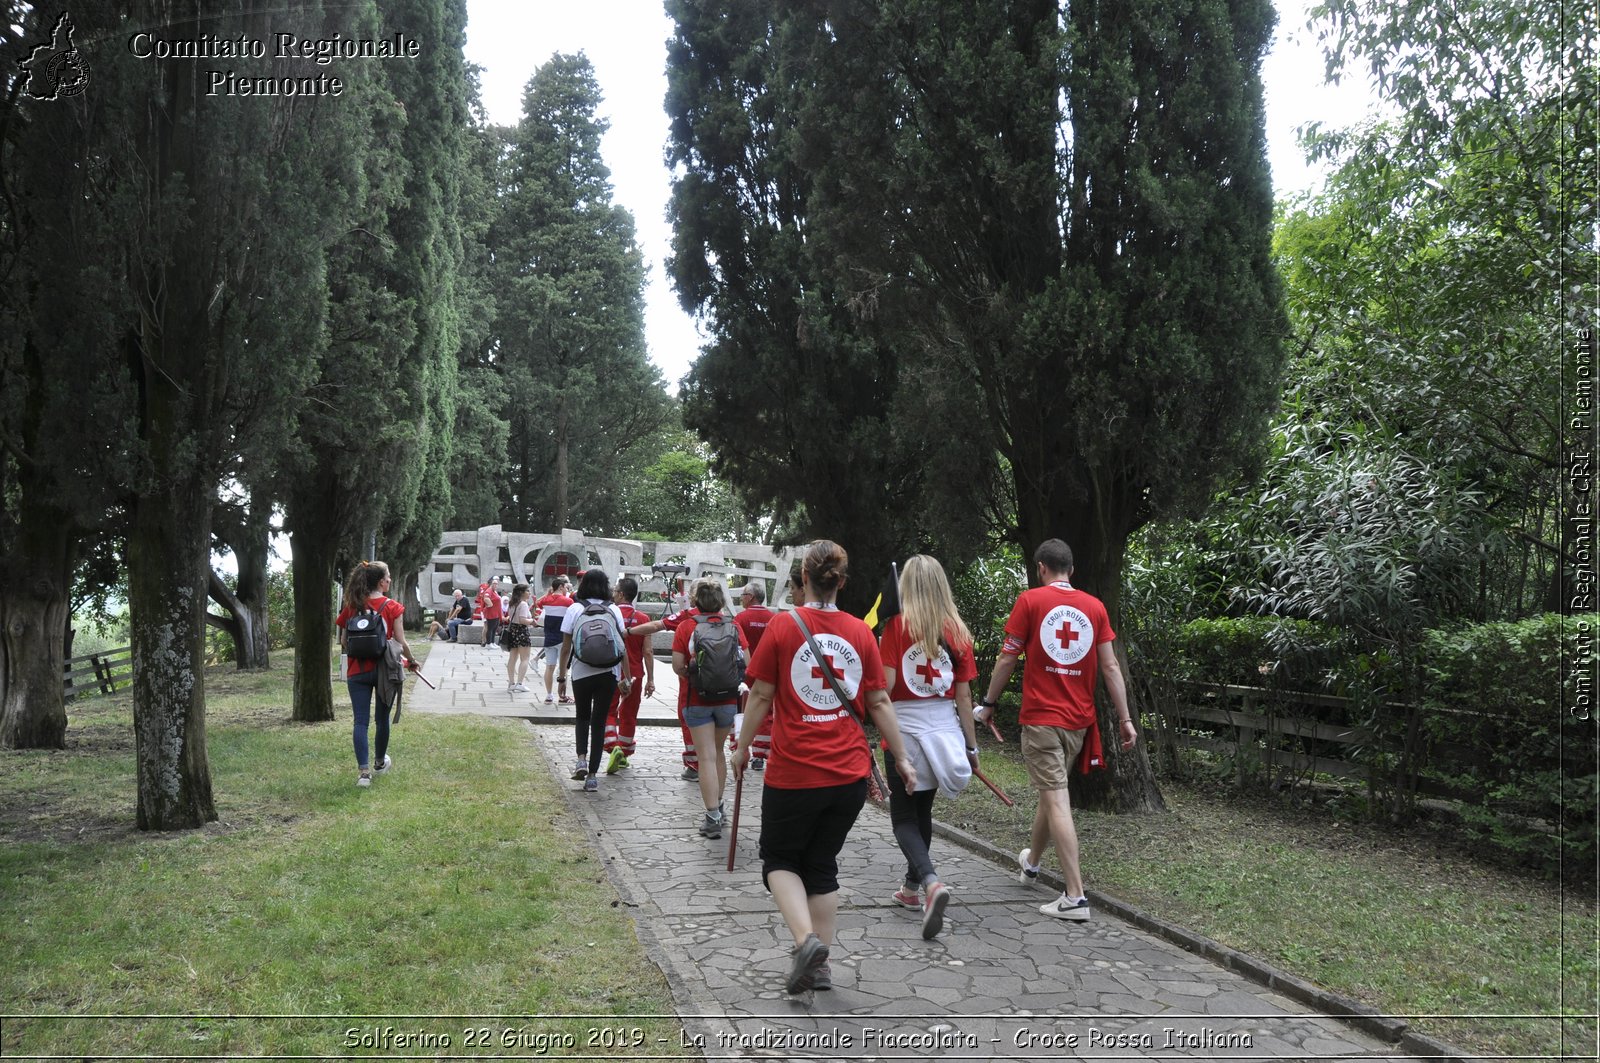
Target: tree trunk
{"x":169,"y":545}
{"x":562,"y":512}
{"x":313,"y":545}
{"x":35,"y":585}
{"x":1098,"y":534}
{"x":246,"y":623}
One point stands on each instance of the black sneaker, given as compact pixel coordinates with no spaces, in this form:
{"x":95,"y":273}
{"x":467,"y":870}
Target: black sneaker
{"x":809,"y":955}
{"x":711,"y":825}
{"x":822,"y":978}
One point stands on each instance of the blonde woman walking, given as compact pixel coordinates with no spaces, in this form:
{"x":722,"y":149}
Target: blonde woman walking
{"x":928,"y":667}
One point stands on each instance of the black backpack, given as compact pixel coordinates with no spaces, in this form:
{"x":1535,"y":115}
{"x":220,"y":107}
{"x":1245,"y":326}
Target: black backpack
{"x":366,"y":637}
{"x":718,"y":665}
{"x":596,"y":640}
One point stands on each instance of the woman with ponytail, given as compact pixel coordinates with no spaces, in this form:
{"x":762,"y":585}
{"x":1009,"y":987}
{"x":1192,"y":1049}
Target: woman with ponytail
{"x":367,"y":589}
{"x":928,"y":667}
{"x":816,"y":779}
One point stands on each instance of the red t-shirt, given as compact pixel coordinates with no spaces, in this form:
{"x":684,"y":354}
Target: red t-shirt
{"x":670,"y":622}
{"x":916,"y":677}
{"x":632,"y":618}
{"x":391,"y":611}
{"x":1059,"y":630}
{"x":753,"y":622}
{"x":682,"y":637}
{"x":815,"y":740}
{"x":489,"y":602}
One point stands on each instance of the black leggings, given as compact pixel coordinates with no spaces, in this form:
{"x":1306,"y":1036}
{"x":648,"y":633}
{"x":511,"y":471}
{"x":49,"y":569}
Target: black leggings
{"x":911,"y":815}
{"x":593,"y":695}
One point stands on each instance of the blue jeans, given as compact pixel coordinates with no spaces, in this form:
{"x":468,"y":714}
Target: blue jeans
{"x":450,"y":627}
{"x":362,"y":689}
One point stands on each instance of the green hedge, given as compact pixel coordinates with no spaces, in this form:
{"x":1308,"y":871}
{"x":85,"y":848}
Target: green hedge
{"x":1261,"y":651}
{"x":1507,"y":710}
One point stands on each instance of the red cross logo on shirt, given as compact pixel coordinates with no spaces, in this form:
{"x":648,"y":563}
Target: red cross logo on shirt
{"x":929,"y":673}
{"x":817,"y":672}
{"x":1067,"y":635}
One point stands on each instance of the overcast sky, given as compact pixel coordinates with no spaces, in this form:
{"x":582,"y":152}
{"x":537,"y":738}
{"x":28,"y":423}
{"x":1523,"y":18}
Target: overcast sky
{"x":626,"y":42}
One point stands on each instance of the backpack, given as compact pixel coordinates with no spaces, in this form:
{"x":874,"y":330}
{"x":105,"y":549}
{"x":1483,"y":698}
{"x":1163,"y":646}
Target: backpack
{"x":366,"y":637}
{"x":596,"y":640}
{"x":718,"y":666}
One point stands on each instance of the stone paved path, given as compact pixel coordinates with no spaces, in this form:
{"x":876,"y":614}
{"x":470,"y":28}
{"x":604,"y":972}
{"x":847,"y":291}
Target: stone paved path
{"x":1001,"y":981}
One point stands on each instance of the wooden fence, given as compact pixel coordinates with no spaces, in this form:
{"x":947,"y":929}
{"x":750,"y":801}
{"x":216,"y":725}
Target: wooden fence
{"x":1285,"y":736}
{"x":101,"y":672}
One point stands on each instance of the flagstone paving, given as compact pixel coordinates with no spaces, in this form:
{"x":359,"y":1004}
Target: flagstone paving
{"x":1001,"y":982}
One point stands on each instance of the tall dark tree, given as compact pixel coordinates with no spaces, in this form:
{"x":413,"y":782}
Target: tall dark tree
{"x":794,"y":400}
{"x":379,"y":452}
{"x":568,"y":334}
{"x":1064,"y":212}
{"x":61,"y":334}
{"x":58,"y":354}
{"x":238,"y":197}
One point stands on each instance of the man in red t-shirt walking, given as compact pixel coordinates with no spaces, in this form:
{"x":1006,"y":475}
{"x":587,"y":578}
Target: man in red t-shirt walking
{"x":753,"y":618}
{"x":1066,"y":637}
{"x":623,"y":719}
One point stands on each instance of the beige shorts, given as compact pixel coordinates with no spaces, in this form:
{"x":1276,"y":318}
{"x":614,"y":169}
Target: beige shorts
{"x":1049,"y":753}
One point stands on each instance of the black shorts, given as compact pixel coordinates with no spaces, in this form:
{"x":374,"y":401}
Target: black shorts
{"x":803,"y":830}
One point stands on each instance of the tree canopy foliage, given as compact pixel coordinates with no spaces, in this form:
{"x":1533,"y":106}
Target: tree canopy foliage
{"x":568,"y":332}
{"x":1019,"y":264}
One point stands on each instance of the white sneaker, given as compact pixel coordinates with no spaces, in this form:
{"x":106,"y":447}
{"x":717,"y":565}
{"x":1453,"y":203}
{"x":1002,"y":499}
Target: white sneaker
{"x":1028,"y":878}
{"x":388,"y":762}
{"x":549,"y":699}
{"x":1062,"y":908}
{"x":364,"y":779}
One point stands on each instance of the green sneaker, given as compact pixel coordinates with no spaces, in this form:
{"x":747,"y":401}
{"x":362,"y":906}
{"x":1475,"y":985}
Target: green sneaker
{"x":616,"y":761}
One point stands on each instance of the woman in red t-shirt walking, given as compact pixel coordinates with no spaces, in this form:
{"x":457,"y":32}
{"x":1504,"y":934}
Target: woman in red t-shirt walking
{"x":368,"y":588}
{"x":817,"y":771}
{"x":929,"y":668}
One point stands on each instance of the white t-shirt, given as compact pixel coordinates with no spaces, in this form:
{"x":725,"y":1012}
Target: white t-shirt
{"x":579,"y":669}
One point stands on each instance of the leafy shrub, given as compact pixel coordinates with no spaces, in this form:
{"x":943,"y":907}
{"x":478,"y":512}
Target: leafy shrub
{"x":1260,"y":651}
{"x":1508,"y":713}
{"x":985,"y":591}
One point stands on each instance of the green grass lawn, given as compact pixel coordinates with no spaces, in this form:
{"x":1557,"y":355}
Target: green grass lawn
{"x":454,"y":898}
{"x":1399,"y":920}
